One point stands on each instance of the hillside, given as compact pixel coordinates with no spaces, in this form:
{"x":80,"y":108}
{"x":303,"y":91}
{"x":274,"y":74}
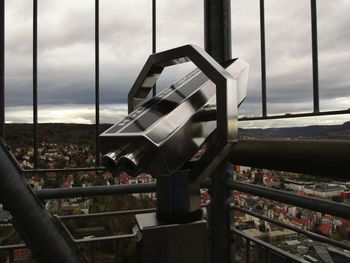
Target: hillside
{"x":21,"y":134}
{"x":341,"y":132}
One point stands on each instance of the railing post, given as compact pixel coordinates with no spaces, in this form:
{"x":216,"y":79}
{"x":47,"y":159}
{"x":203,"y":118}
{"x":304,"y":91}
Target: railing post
{"x":154,"y":37}
{"x":314,"y":56}
{"x":11,"y":256}
{"x":217,"y":29}
{"x":97,"y":82}
{"x":2,"y":68}
{"x":263,"y":58}
{"x":92,"y":250}
{"x":35,"y":84}
{"x":217,"y":37}
{"x":247,"y":251}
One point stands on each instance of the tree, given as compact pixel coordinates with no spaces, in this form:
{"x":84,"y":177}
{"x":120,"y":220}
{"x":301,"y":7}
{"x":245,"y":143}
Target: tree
{"x":258,"y":178}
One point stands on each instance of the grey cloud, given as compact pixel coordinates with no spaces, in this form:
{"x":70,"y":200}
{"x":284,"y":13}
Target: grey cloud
{"x":66,"y":49}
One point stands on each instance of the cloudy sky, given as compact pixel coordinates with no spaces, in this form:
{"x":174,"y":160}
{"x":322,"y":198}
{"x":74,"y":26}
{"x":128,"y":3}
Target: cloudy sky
{"x":66,"y":55}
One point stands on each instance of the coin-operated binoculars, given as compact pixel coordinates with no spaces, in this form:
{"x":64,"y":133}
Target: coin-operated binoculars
{"x":182,"y":134}
{"x":179,"y":137}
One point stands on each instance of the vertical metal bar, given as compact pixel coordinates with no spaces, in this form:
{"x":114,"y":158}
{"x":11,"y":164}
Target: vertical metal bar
{"x":11,"y":256}
{"x":217,"y":29}
{"x":217,"y":42}
{"x":266,"y":255}
{"x":220,"y":222}
{"x":92,"y":250}
{"x":120,"y":251}
{"x":263,"y":58}
{"x":247,"y":251}
{"x":315,"y":56}
{"x":154,"y":36}
{"x":97,"y":83}
{"x":2,"y":69}
{"x":35,"y":83}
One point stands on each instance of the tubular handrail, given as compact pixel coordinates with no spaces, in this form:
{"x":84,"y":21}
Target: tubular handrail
{"x":32,"y":220}
{"x":327,"y":158}
{"x":311,"y":203}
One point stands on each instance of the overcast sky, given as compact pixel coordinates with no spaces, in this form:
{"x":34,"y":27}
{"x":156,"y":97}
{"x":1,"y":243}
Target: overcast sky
{"x":66,"y":55}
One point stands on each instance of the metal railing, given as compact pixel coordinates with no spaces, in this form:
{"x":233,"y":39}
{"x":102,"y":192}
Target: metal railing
{"x":256,"y":153}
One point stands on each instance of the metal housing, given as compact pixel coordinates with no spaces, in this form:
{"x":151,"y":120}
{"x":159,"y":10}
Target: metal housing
{"x":160,"y":136}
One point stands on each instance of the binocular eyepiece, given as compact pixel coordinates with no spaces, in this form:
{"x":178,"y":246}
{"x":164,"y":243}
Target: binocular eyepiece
{"x":126,"y":162}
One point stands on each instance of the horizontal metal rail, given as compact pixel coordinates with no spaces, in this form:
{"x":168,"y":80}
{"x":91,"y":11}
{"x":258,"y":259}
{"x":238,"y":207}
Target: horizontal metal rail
{"x":320,"y":205}
{"x":315,"y":204}
{"x":111,"y":214}
{"x":93,"y":215}
{"x":64,"y":170}
{"x":307,"y":233}
{"x":12,"y":247}
{"x":57,"y":193}
{"x":317,"y":157}
{"x":268,"y":246}
{"x":108,"y":214}
{"x":61,"y":193}
{"x":327,"y":158}
{"x":105,"y":238}
{"x":95,"y":239}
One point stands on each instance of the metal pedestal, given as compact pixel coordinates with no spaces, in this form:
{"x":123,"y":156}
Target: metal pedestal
{"x":164,"y":243}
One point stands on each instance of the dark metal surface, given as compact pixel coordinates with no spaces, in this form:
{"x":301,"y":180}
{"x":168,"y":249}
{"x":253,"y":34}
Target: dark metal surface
{"x":2,"y":69}
{"x":307,"y":233}
{"x":97,"y":81}
{"x":324,"y":206}
{"x":314,"y":56}
{"x":31,"y":219}
{"x":263,"y":58}
{"x":58,"y":193}
{"x":170,"y":243}
{"x":178,"y":199}
{"x":289,"y":257}
{"x":327,"y":158}
{"x":217,"y":29}
{"x":35,"y":84}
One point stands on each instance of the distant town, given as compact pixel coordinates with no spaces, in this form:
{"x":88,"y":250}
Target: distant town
{"x":63,"y":152}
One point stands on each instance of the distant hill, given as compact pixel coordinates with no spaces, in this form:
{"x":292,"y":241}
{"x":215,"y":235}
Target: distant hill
{"x":341,"y":132}
{"x":61,"y":133}
{"x":22,"y":134}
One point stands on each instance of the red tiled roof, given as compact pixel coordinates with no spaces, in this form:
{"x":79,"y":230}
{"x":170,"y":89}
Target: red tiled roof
{"x":300,"y":221}
{"x":325,"y":229}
